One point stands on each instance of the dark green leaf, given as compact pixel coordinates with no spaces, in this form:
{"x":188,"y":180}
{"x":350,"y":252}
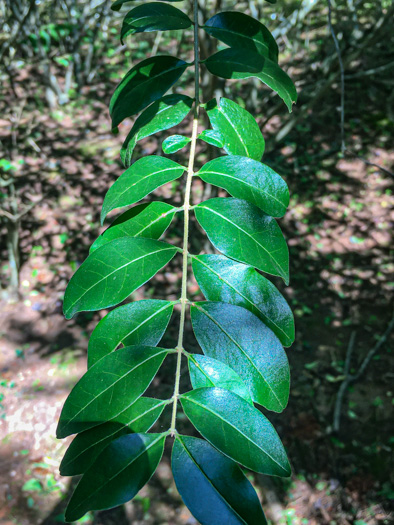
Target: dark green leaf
{"x":222,"y":279}
{"x":239,"y":64}
{"x":237,"y":429}
{"x":162,"y":114}
{"x":144,"y":176}
{"x":153,"y":16}
{"x":241,"y":133}
{"x":143,"y":84}
{"x":243,"y":232}
{"x":111,"y":273}
{"x":213,"y":487}
{"x":138,"y":323}
{"x":118,"y":474}
{"x":175,"y":143}
{"x":149,"y":221}
{"x":249,"y":180}
{"x":210,"y":136}
{"x":84,"y":449}
{"x":239,"y":339}
{"x":109,"y":387}
{"x":208,"y":372}
{"x":242,"y":32}
{"x":118,"y":3}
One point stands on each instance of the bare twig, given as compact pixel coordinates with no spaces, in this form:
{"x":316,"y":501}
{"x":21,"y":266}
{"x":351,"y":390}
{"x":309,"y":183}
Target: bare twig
{"x":368,"y":163}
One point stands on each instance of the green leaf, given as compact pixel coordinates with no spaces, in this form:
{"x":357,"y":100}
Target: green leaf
{"x":242,"y":32}
{"x":239,"y":339}
{"x":240,"y":131}
{"x":84,"y":449}
{"x":222,"y":279}
{"x":143,"y":177}
{"x":237,"y":429}
{"x":213,"y":487}
{"x":239,"y":64}
{"x":243,"y":232}
{"x":118,"y":474}
{"x":208,"y":372}
{"x":175,"y":143}
{"x":143,"y":84}
{"x":250,"y":180}
{"x":163,"y":114}
{"x":148,"y":220}
{"x":153,"y":16}
{"x":109,"y":387}
{"x":139,"y":323}
{"x":210,"y":136}
{"x":118,"y":3}
{"x":113,"y":272}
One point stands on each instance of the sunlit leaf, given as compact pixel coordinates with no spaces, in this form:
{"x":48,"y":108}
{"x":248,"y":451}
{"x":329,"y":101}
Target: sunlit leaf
{"x":213,"y":137}
{"x":175,"y":143}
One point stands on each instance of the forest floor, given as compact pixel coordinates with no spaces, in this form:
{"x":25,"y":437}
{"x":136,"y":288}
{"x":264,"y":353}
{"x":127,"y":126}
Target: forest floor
{"x":338,"y":230}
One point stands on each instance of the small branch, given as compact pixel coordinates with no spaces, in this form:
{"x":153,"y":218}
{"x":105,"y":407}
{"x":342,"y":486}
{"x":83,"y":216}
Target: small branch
{"x":368,"y":163}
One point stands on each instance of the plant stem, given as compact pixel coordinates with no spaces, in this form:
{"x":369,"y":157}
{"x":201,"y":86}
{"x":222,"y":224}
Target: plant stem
{"x":186,"y":207}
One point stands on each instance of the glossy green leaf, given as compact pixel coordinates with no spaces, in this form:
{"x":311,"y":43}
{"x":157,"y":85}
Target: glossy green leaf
{"x":213,"y":487}
{"x":143,"y":84}
{"x":239,"y":339}
{"x":143,"y":177}
{"x":86,"y":446}
{"x":118,"y":3}
{"x":163,"y":114}
{"x":208,"y":372}
{"x":237,"y":429}
{"x":239,"y":64}
{"x":148,"y":220}
{"x":109,"y":387}
{"x":243,"y":232}
{"x":118,"y":474}
{"x":221,"y":279}
{"x":111,"y":273}
{"x":153,"y":16}
{"x":175,"y":143}
{"x":240,"y":131}
{"x":249,"y":180}
{"x":242,"y":32}
{"x":138,"y":323}
{"x":213,"y":137}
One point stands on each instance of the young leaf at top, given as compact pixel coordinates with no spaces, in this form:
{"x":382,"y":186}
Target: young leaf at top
{"x":118,"y":474}
{"x":243,"y":232}
{"x":249,"y":180}
{"x":113,"y":272}
{"x":109,"y":387}
{"x":143,"y":84}
{"x":138,"y":323}
{"x":240,"y":131}
{"x":208,"y":372}
{"x":213,"y":137}
{"x":212,"y":486}
{"x":163,"y":114}
{"x":242,"y":32}
{"x":240,"y":64}
{"x":153,"y":16}
{"x":175,"y":143}
{"x":143,"y":177}
{"x":239,"y":339}
{"x":224,"y":280}
{"x":86,"y":446}
{"x":237,"y":429}
{"x":148,"y":220}
{"x":118,"y":3}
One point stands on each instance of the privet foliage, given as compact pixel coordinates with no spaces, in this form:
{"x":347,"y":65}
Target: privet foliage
{"x":241,"y":327}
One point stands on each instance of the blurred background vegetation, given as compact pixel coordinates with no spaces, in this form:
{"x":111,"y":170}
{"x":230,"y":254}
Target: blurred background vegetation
{"x":60,"y":61}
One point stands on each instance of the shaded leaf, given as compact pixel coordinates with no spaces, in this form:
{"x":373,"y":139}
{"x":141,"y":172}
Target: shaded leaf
{"x":138,"y":323}
{"x":213,"y":137}
{"x":213,"y":487}
{"x":118,"y":3}
{"x":109,"y":387}
{"x":111,"y":273}
{"x":242,"y":231}
{"x":237,"y":429}
{"x":239,"y":339}
{"x":175,"y":143}
{"x":86,"y":446}
{"x":222,"y":279}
